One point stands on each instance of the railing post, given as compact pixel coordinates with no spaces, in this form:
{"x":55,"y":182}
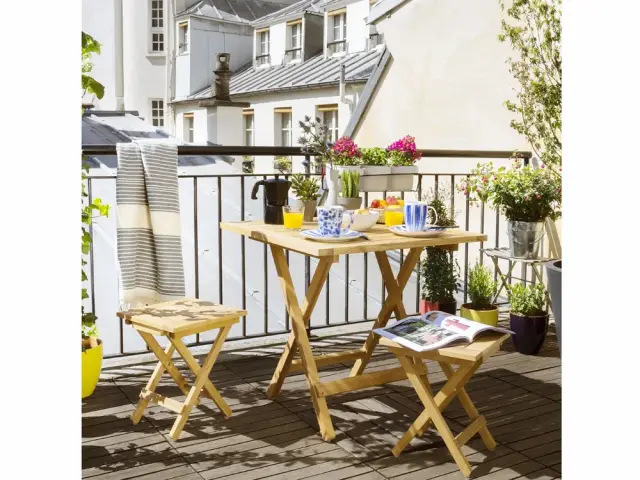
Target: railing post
{"x":307,"y":261}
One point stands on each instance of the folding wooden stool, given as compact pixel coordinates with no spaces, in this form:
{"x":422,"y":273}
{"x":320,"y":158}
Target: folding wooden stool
{"x":174,"y":320}
{"x":469,"y":358}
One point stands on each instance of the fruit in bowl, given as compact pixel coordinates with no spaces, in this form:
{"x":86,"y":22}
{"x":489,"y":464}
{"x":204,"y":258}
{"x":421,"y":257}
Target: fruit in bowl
{"x":363,"y":219}
{"x":380,"y":204}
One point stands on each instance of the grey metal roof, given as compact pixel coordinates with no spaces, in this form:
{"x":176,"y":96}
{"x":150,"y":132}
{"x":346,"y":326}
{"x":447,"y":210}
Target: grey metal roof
{"x":300,"y":7}
{"x":109,"y":127}
{"x":243,"y":11}
{"x":315,"y":72}
{"x":383,"y":7}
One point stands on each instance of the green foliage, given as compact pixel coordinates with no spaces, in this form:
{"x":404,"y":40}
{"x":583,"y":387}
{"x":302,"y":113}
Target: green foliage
{"x":314,"y":139}
{"x":534,"y":31}
{"x":248,"y":164}
{"x":440,"y":201}
{"x":305,"y":188}
{"x":527,"y":301}
{"x":482,"y":287}
{"x":282,"y":164}
{"x":440,"y":273}
{"x":89,"y":84}
{"x":374,"y":156}
{"x":400,"y":159}
{"x":350,"y":184}
{"x":523,"y":193}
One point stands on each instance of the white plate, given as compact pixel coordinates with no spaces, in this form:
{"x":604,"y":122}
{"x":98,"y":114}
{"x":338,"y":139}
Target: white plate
{"x":427,"y":232}
{"x":345,"y":236}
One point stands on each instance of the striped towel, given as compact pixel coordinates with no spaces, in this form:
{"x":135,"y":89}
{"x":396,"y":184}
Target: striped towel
{"x":148,"y":224}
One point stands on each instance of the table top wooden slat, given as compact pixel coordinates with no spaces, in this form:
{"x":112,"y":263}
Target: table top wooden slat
{"x":185,"y":315}
{"x":380,"y":239}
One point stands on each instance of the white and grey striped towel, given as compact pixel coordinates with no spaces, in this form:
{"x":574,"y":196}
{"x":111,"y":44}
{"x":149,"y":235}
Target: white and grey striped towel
{"x":148,"y":224}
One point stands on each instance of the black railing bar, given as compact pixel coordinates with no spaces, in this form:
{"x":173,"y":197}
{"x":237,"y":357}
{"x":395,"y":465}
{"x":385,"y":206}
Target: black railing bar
{"x":466,"y":249}
{"x":213,"y":175}
{"x":91,"y":275}
{"x":481,"y":231}
{"x":195,"y":245}
{"x":366,"y":269}
{"x":243,"y":254}
{"x":265,"y":267}
{"x":418,"y":289}
{"x":497,"y":244}
{"x":220,"y":298}
{"x":346,"y":289}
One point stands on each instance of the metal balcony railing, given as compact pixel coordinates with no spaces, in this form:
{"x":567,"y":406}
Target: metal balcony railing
{"x":256,"y":268}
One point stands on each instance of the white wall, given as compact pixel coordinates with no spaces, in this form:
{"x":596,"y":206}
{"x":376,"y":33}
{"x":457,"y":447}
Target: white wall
{"x":98,"y":21}
{"x":357,"y":29}
{"x":278,"y":37}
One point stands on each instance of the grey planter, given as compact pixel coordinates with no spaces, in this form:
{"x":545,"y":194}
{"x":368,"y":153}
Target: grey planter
{"x":554,"y":274}
{"x":350,"y":203}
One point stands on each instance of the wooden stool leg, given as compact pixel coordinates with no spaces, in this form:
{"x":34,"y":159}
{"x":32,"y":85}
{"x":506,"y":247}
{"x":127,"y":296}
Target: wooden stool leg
{"x":433,"y":411}
{"x":166,"y":361}
{"x":151,"y":386}
{"x":201,"y":379}
{"x":393,"y":302}
{"x":313,"y":292}
{"x":470,"y":408}
{"x":302,"y":341}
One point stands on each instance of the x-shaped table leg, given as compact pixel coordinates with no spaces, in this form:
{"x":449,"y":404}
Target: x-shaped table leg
{"x":503,"y":277}
{"x":393,"y":302}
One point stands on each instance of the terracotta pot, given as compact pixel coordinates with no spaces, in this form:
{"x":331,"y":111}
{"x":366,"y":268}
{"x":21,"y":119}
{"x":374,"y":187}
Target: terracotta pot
{"x":428,"y":306}
{"x":309,"y":210}
{"x":489,"y":316}
{"x":530,"y":332}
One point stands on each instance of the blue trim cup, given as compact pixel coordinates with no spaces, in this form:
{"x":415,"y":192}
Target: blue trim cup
{"x":330,"y":220}
{"x":416,"y":216}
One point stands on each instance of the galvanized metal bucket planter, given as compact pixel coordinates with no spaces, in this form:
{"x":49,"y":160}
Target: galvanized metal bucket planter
{"x":524,"y":238}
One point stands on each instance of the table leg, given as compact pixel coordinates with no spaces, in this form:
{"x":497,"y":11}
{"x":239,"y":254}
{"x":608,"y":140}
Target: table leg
{"x":151,"y":386}
{"x":503,"y":277}
{"x":302,"y":342}
{"x":313,"y":292}
{"x":393,"y":302}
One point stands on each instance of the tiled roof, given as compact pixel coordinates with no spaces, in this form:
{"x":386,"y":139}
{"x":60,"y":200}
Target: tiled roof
{"x":315,"y":72}
{"x":299,"y":7}
{"x":243,"y":11}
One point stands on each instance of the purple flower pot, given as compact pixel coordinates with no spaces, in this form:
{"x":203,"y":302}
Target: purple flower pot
{"x":530,"y":333}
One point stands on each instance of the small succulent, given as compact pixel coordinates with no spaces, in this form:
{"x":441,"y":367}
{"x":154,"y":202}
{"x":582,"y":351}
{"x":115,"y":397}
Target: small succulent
{"x":305,"y":188}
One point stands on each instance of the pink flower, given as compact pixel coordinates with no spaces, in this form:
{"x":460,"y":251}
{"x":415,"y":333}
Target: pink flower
{"x":542,"y":166}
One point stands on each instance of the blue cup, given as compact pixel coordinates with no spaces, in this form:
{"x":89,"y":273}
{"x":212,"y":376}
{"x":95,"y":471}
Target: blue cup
{"x":330,"y":220}
{"x":416,"y":216}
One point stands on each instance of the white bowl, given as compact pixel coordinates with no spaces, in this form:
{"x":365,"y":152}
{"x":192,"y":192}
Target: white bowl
{"x":362,"y":222}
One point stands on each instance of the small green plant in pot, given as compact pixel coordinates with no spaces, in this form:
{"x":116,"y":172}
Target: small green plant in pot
{"x":482,"y":290}
{"x":528,"y":318}
{"x":440,"y":273}
{"x":307,"y":190}
{"x":350,"y":197}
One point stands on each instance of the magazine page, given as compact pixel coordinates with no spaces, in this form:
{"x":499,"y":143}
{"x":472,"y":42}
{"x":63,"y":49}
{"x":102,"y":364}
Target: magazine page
{"x":459,"y":325}
{"x":419,"y":335}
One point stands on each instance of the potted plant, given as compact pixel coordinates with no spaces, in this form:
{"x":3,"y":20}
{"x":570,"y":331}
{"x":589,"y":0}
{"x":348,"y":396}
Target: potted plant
{"x":528,"y":319}
{"x":307,"y":191}
{"x":350,"y":198}
{"x":248,"y":164}
{"x":402,"y":158}
{"x":282,"y":164}
{"x":482,"y":290}
{"x":527,"y":196}
{"x":375,"y":170}
{"x":314,"y":142}
{"x":440,"y":272}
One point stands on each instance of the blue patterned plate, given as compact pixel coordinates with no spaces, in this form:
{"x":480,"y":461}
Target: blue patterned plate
{"x":345,"y":236}
{"x":429,"y":231}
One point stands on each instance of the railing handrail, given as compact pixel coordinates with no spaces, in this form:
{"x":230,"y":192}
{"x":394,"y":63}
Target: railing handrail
{"x":271,"y":150}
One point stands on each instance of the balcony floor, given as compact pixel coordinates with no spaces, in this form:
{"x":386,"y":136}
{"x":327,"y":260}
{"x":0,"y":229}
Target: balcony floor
{"x":520,"y":397}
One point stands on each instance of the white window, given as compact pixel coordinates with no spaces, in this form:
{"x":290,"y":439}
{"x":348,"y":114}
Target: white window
{"x":187,"y":132}
{"x":294,"y":41}
{"x":337,"y":31}
{"x":157,"y":26}
{"x":183,"y":37}
{"x":330,"y":119}
{"x":157,"y":112}
{"x":263,"y":48}
{"x":248,"y":128}
{"x":286,"y":128}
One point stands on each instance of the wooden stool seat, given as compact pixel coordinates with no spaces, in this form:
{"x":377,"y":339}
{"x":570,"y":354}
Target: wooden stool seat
{"x":468,"y":358}
{"x":174,"y":320}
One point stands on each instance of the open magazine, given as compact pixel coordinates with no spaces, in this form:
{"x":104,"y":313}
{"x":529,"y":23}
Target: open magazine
{"x":435,"y":330}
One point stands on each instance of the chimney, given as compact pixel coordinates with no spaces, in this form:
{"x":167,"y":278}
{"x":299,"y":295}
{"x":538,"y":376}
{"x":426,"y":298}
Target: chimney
{"x":220,"y":85}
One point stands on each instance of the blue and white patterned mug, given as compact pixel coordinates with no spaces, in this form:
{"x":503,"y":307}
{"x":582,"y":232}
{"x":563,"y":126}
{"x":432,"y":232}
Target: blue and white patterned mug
{"x":416,"y":216}
{"x":330,"y":220}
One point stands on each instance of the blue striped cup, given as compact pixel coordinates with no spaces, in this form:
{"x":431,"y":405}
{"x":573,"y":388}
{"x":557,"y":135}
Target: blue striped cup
{"x":416,"y":216}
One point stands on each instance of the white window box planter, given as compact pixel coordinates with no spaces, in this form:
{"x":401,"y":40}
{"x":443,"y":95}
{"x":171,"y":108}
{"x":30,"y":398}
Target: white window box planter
{"x":377,"y":183}
{"x":402,"y":178}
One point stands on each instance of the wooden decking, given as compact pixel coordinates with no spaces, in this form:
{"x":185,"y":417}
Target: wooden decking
{"x":519,"y":396}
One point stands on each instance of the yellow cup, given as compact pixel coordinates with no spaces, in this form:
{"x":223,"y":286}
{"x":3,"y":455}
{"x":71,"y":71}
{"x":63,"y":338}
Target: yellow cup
{"x":292,"y":217}
{"x":393,"y":216}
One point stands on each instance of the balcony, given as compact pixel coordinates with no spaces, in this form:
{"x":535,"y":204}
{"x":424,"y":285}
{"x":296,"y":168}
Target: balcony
{"x":518,"y":395}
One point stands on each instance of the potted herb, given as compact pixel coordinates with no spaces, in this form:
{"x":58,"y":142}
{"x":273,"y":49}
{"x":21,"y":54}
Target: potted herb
{"x":282,"y":164}
{"x":440,"y":274}
{"x":527,"y":196}
{"x":528,"y":319}
{"x":402,"y":158}
{"x":482,"y":290}
{"x":307,"y":191}
{"x":350,"y":198}
{"x":375,"y":170}
{"x":314,"y":141}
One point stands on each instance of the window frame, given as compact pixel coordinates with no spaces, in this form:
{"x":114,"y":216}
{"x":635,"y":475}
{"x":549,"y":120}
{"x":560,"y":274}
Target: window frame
{"x":183,"y":47}
{"x":294,"y":41}
{"x":263,"y":57}
{"x":188,"y":127}
{"x":280,"y":124}
{"x":156,"y":32}
{"x":249,"y":129}
{"x":334,"y":126}
{"x":337,"y":44}
{"x":159,"y":117}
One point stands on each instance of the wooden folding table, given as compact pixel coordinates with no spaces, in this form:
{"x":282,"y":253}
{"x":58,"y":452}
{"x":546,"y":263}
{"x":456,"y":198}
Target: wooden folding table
{"x":468,"y":358}
{"x":380,"y":239}
{"x":175,"y":320}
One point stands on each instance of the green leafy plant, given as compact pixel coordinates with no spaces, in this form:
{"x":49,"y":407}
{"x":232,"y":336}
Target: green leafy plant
{"x":282,"y":164}
{"x":523,"y":193}
{"x":374,"y":156}
{"x":314,"y":140}
{"x":527,"y":301}
{"x":89,"y":84}
{"x":440,"y":201}
{"x":248,"y":164}
{"x":440,"y":273}
{"x":533,"y":29}
{"x":305,"y":188}
{"x":482,"y":287}
{"x":350,"y":184}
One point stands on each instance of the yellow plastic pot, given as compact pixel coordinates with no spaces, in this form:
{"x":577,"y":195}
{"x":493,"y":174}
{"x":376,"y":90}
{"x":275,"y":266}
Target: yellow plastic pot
{"x":488,"y":317}
{"x":91,"y":366}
